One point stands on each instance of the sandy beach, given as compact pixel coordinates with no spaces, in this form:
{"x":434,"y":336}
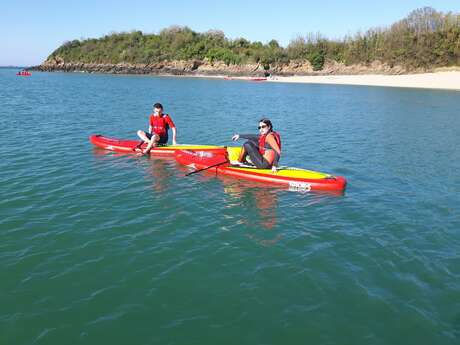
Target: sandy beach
{"x":449,"y":80}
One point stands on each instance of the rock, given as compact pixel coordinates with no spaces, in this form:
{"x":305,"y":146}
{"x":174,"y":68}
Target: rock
{"x":207,"y":67}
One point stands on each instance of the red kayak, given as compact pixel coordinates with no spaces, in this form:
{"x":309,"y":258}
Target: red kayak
{"x":24,"y":74}
{"x":291,"y":178}
{"x":257,"y":79}
{"x":129,"y":146}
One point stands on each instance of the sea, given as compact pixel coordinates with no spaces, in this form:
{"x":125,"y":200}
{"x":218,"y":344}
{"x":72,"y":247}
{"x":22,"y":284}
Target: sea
{"x":104,"y":248}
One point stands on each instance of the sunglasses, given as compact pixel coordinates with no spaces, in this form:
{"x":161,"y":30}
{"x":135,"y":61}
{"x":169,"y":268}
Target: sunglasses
{"x":263,"y":126}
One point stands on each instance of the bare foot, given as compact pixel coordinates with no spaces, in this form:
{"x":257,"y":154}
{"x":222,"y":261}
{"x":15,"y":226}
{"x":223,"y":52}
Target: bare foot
{"x":141,"y":152}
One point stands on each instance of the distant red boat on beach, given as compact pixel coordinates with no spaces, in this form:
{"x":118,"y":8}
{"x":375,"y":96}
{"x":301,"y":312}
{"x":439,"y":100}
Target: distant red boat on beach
{"x":24,"y":73}
{"x":248,"y":78}
{"x":257,"y":78}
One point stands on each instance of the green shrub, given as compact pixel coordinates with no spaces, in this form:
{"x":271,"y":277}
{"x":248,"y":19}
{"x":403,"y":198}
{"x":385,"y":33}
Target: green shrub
{"x":424,"y":39}
{"x":316,"y":59}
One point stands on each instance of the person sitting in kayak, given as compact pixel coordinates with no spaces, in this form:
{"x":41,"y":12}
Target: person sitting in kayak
{"x":159,"y":125}
{"x":264,"y":149}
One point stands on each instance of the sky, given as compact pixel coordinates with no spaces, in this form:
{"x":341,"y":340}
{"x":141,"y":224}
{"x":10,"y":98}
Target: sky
{"x":30,"y":30}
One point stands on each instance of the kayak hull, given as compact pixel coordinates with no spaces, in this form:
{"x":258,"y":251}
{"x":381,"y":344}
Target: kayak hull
{"x":129,"y":146}
{"x":291,"y":178}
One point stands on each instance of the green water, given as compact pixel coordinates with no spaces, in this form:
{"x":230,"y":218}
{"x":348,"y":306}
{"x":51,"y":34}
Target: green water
{"x":99,"y":248}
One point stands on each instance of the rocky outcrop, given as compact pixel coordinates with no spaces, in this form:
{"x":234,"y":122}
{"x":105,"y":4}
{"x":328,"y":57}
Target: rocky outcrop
{"x":376,"y":67}
{"x":335,"y":68}
{"x":206,"y":67}
{"x":179,"y":67}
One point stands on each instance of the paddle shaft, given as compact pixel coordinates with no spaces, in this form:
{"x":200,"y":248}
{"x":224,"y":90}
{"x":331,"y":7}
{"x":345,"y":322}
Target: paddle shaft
{"x":209,"y":167}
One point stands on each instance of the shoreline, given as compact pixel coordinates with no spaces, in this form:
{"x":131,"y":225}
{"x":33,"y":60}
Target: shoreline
{"x":442,"y":80}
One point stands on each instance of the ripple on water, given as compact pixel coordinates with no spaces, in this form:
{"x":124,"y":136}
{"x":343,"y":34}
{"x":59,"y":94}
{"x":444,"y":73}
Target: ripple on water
{"x":99,"y":243}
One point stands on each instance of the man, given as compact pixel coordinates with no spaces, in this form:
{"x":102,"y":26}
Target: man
{"x":159,"y":124}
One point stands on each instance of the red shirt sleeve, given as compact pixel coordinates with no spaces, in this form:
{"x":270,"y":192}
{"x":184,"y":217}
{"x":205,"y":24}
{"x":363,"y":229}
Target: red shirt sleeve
{"x":170,"y":122}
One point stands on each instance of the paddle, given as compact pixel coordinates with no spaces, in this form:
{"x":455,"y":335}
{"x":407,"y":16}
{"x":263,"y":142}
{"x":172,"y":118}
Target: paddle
{"x":209,"y":167}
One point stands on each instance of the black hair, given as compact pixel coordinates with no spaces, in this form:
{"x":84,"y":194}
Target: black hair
{"x":158,"y":106}
{"x":267,"y":122}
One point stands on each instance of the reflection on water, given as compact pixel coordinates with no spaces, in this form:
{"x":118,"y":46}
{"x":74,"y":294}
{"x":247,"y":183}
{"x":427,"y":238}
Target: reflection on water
{"x":254,"y":205}
{"x":256,"y":208}
{"x":263,"y":200}
{"x":157,"y":169}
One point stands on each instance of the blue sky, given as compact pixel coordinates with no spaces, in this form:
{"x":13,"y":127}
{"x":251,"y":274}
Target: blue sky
{"x":31,"y":30}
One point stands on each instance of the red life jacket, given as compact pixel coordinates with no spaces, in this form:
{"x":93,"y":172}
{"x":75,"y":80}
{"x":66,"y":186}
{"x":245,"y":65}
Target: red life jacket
{"x":160,"y":124}
{"x":262,"y":138}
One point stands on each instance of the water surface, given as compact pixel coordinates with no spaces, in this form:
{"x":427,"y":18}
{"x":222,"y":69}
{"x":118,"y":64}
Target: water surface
{"x":98,"y":248}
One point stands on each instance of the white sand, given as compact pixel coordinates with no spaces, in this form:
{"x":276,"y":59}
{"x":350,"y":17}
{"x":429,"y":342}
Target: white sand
{"x":438,"y":80}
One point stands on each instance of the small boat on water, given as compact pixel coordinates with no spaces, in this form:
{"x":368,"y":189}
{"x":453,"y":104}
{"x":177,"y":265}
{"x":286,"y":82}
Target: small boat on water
{"x":24,"y":73}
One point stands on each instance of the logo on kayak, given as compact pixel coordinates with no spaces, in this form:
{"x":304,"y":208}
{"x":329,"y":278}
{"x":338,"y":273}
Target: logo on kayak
{"x":299,"y":186}
{"x":204,"y":154}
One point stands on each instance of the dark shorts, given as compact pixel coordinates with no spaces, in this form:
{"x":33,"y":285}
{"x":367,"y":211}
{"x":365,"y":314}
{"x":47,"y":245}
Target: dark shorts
{"x":163,"y":139}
